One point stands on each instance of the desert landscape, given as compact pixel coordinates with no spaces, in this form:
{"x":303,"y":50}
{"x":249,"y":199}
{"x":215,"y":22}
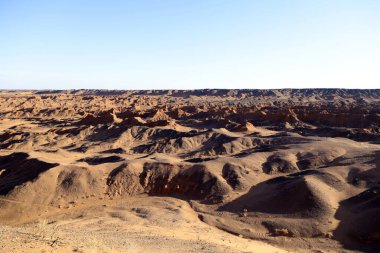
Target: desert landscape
{"x":286,"y":170}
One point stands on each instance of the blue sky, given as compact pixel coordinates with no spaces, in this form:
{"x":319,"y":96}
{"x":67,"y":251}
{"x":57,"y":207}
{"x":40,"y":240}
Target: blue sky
{"x":187,"y":44}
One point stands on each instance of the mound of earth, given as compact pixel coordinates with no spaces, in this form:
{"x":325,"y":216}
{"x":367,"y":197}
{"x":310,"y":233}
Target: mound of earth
{"x":284,"y":163}
{"x":17,"y":169}
{"x":194,"y":181}
{"x":360,"y":221}
{"x":298,"y":194}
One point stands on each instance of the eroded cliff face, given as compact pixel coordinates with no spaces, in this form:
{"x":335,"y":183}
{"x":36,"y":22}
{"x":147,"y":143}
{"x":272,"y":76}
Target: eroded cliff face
{"x":221,"y":108}
{"x":246,"y":160}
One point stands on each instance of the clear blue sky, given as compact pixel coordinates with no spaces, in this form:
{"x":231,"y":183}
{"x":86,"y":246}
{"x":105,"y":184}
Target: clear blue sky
{"x":186,"y":44}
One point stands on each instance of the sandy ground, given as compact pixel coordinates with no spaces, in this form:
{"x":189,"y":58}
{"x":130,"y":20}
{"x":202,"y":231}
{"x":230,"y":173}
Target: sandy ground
{"x":142,"y":224}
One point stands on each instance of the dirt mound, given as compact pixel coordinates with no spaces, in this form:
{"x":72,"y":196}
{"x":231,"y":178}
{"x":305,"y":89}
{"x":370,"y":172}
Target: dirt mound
{"x":194,"y":181}
{"x":179,"y":113}
{"x":125,"y":179}
{"x":283,"y":163}
{"x":233,"y":174}
{"x":318,"y":158}
{"x":360,"y":221}
{"x":362,"y":177}
{"x":302,"y":204}
{"x":160,"y":115}
{"x":298,"y":194}
{"x":105,"y":117}
{"x":74,"y":183}
{"x":62,"y":187}
{"x":17,"y":169}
